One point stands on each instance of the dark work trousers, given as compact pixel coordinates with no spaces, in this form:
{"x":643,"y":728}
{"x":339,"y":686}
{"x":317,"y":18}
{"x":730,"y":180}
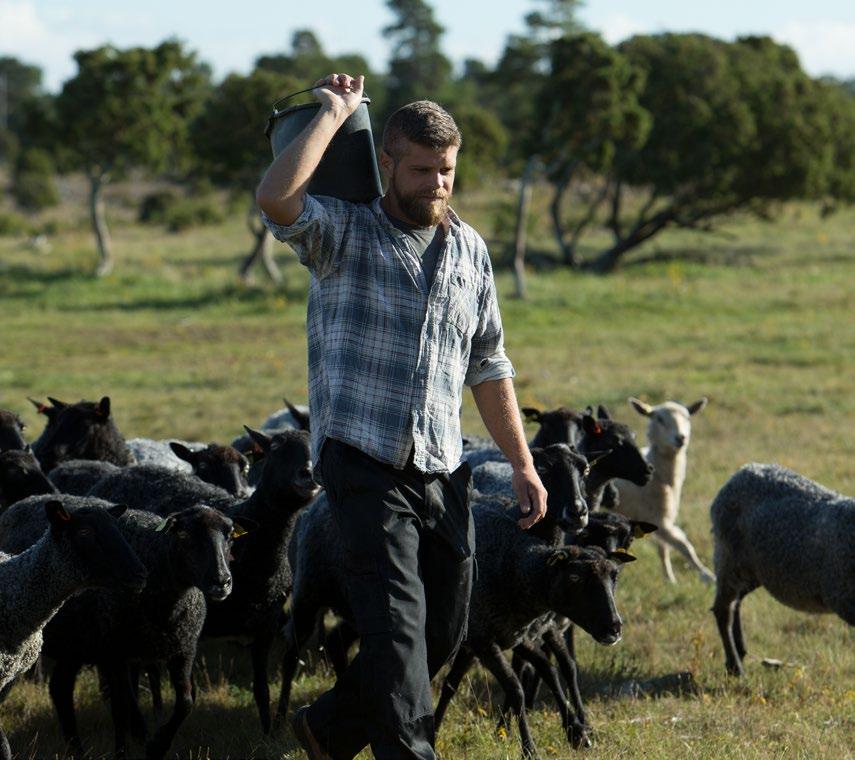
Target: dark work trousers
{"x":408,"y":542}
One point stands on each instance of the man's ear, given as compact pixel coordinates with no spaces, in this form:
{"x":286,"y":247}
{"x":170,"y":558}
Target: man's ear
{"x":387,"y":163}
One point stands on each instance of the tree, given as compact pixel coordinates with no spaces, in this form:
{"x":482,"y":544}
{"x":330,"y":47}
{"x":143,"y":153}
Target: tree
{"x":127,"y":108}
{"x":587,"y":110}
{"x":19,"y":82}
{"x":233,"y":151}
{"x":418,"y":69}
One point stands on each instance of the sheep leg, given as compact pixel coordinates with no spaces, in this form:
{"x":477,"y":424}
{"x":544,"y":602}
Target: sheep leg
{"x":665,"y":559}
{"x":5,"y":749}
{"x":724,"y":609}
{"x":738,"y":640}
{"x":675,"y":537}
{"x":180,"y":670}
{"x":118,"y":677}
{"x":261,"y":691}
{"x":462,"y":662}
{"x":152,"y":671}
{"x":574,"y":729}
{"x":337,"y":644}
{"x":528,"y":680}
{"x":61,"y":688}
{"x":492,"y":658}
{"x":567,"y":663}
{"x":298,"y":630}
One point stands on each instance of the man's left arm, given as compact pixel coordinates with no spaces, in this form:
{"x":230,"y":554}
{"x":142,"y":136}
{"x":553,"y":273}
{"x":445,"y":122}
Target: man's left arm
{"x":497,"y":404}
{"x":489,"y":375}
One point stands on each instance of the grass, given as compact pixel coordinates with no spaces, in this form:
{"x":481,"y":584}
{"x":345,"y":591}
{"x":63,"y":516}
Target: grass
{"x":758,"y":318}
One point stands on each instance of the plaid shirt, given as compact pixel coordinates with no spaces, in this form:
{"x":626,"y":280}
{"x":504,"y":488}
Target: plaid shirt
{"x":388,"y":357}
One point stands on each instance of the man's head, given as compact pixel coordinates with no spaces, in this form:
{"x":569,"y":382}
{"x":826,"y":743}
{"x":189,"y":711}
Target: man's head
{"x":420,"y":144}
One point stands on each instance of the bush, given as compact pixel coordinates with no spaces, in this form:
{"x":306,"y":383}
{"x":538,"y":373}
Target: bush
{"x":33,"y":183}
{"x":192,"y":213}
{"x":155,"y":206}
{"x":13,"y":224}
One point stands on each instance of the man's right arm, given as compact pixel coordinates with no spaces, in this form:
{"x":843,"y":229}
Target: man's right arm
{"x":281,"y":191}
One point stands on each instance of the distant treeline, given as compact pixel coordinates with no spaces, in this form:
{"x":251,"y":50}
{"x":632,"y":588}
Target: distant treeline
{"x":658,"y":131}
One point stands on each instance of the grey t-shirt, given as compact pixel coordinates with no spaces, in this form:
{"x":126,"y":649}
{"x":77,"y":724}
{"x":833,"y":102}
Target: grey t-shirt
{"x":426,"y":241}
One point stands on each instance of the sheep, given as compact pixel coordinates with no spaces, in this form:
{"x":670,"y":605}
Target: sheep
{"x":21,"y":476}
{"x":76,"y":476}
{"x":186,"y":556}
{"x":316,"y":561}
{"x":78,"y":550}
{"x":668,"y":431}
{"x":519,"y":580}
{"x":261,"y":570}
{"x":777,"y":529}
{"x":11,"y":431}
{"x":84,"y":430}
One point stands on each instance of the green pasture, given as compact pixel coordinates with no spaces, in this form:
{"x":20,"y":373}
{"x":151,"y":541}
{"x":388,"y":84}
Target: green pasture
{"x":759,"y":317}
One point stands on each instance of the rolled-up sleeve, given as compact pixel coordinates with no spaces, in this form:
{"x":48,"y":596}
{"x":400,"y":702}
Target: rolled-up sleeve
{"x":317,"y":234}
{"x":487,"y":358}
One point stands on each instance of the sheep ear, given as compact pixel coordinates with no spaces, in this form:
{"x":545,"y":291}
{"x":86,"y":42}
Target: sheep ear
{"x":103,"y":409}
{"x":640,"y":528}
{"x":40,"y":407}
{"x":590,"y":425}
{"x":621,"y":556}
{"x":165,"y":525}
{"x":531,"y":414}
{"x":56,"y":513}
{"x":556,"y":557}
{"x":242,"y":526}
{"x":56,"y":403}
{"x":118,"y":510}
{"x":640,"y":406}
{"x":302,"y":419}
{"x":261,"y":440}
{"x":696,"y":406}
{"x":603,"y":412}
{"x":182,"y":452}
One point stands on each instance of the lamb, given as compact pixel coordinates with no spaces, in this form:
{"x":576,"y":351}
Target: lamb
{"x":84,"y":430}
{"x":668,"y":431}
{"x":21,"y":476}
{"x":261,"y":570}
{"x":11,"y":431}
{"x":777,"y":529}
{"x":186,"y":556}
{"x":78,"y":550}
{"x":519,"y":580}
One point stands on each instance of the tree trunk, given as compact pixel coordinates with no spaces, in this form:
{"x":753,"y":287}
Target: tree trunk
{"x":561,"y":184}
{"x":99,"y":224}
{"x":522,"y":216}
{"x":573,"y":259}
{"x":614,"y":219}
{"x":608,"y":260}
{"x":262,"y":250}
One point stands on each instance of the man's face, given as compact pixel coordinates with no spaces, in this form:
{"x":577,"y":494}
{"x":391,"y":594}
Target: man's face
{"x":420,"y":182}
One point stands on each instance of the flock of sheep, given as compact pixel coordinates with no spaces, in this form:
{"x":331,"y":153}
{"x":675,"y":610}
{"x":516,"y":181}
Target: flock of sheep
{"x":124,"y":554}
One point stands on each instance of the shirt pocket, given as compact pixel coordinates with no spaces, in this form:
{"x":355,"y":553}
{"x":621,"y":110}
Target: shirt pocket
{"x":463,"y":302}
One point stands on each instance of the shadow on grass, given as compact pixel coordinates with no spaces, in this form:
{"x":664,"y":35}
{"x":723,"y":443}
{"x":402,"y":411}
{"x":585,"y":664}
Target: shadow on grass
{"x":727,"y":256}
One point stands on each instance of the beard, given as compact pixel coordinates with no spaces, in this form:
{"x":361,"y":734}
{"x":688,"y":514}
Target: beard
{"x":425,"y":211}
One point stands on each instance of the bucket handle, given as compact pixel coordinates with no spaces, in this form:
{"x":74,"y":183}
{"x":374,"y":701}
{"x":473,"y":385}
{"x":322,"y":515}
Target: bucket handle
{"x":365,"y":98}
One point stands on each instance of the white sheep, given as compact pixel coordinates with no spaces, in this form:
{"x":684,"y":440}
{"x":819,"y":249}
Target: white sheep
{"x":668,"y":431}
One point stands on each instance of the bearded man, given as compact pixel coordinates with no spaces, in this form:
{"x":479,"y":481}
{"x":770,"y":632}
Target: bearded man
{"x":402,"y":314}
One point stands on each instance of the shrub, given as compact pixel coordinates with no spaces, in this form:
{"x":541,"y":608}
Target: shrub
{"x":33,"y":183}
{"x":192,"y":213}
{"x":155,"y":206}
{"x":13,"y":224}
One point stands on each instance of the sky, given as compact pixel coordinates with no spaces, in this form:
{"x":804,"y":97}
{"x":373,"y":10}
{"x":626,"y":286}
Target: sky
{"x":230,"y":36}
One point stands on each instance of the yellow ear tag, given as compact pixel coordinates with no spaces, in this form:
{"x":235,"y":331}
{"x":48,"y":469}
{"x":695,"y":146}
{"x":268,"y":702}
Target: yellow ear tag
{"x":237,"y":532}
{"x":162,"y":527}
{"x":556,"y":558}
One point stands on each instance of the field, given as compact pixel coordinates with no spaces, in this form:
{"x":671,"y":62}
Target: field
{"x":758,"y":317}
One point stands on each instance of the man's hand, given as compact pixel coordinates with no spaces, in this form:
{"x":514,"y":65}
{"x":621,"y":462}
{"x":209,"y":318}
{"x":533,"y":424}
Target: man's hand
{"x":531,"y":495}
{"x":341,"y":92}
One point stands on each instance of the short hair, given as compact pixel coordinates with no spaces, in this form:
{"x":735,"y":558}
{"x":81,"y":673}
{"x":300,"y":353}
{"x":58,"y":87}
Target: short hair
{"x":423,"y":122}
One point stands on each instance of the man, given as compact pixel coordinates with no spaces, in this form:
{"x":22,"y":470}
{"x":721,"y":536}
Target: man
{"x":402,"y":313}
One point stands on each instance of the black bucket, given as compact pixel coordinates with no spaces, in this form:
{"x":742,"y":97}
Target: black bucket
{"x":348,"y":169}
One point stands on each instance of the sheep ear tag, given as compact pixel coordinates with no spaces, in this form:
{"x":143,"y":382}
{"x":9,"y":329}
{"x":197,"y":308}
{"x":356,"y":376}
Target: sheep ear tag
{"x":557,"y":557}
{"x":238,"y":531}
{"x":641,"y":529}
{"x":164,"y":525}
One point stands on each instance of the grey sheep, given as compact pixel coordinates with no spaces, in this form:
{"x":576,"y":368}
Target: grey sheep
{"x":777,"y":529}
{"x":186,"y":556}
{"x":76,"y":476}
{"x":78,"y":550}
